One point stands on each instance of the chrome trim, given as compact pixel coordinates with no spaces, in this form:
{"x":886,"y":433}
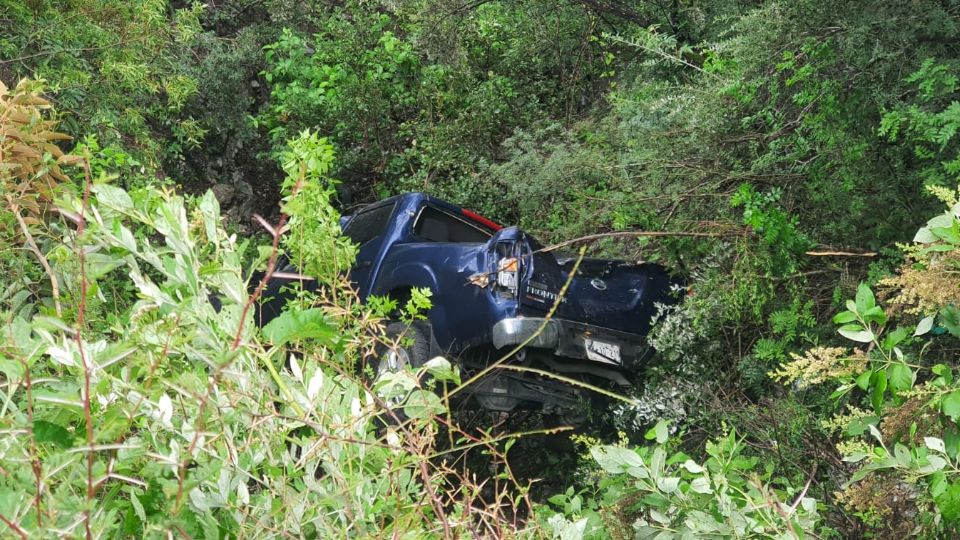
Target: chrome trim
{"x":518,"y":330}
{"x":598,"y":284}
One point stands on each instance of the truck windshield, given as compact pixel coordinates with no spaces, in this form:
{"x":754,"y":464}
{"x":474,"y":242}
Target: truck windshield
{"x":436,"y":226}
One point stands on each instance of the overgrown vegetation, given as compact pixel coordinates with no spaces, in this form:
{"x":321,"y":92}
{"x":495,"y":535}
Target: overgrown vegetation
{"x":808,"y":387}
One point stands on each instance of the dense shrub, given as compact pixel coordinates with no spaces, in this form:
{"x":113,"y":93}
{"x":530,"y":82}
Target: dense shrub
{"x":176,"y":417}
{"x":771,"y":135}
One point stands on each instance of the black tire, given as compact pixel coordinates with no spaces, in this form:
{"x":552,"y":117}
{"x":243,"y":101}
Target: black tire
{"x":412,"y":341}
{"x":404,"y":344}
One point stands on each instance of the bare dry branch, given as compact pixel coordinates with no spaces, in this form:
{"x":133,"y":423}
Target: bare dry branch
{"x":637,"y":234}
{"x":842,"y":253}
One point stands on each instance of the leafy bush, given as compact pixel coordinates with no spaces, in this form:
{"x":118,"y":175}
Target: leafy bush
{"x":905,"y":435}
{"x":181,"y":418}
{"x":650,"y":493}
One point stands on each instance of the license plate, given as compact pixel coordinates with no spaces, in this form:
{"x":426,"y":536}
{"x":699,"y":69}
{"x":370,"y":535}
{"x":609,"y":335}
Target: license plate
{"x":600,"y":351}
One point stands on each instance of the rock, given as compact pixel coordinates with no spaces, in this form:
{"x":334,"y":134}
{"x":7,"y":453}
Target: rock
{"x":224,"y":193}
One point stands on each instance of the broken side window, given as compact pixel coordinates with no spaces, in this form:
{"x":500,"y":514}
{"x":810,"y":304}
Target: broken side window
{"x":369,"y":224}
{"x":437,"y":226}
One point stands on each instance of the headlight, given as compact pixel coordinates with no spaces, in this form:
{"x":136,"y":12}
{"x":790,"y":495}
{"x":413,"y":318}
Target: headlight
{"x":507,"y":273}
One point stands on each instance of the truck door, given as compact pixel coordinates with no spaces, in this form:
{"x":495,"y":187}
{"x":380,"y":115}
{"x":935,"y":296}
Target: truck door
{"x":367,"y":230}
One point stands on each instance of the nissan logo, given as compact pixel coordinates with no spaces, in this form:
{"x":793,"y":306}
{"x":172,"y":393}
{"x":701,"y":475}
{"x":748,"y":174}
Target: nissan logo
{"x":598,"y":284}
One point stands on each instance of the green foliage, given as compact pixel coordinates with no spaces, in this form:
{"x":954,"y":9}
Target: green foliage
{"x":910,"y":434}
{"x":930,"y":123}
{"x":414,"y":103}
{"x":790,"y":328}
{"x":777,"y":231}
{"x":650,"y":493}
{"x":117,"y":69}
{"x":822,"y":125}
{"x":182,"y":417}
{"x":316,"y":245}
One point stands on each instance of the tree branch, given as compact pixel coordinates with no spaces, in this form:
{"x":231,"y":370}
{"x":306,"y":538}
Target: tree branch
{"x":841,"y":253}
{"x":637,"y":234}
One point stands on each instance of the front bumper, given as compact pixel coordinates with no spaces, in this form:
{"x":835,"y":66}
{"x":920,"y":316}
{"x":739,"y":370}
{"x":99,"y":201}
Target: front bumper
{"x":568,"y":339}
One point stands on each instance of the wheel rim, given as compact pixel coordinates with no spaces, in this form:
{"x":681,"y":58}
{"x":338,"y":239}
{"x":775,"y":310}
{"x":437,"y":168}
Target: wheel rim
{"x":393,"y":361}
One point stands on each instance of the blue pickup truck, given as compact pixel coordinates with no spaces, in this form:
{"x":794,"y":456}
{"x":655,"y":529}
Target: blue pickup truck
{"x":492,"y":290}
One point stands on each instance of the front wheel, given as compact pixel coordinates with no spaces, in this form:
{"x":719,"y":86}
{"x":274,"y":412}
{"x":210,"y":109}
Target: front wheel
{"x":404,"y":344}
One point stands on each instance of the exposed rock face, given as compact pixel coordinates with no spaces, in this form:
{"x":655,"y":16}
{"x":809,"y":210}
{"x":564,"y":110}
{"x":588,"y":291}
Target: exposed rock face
{"x":224,"y":193}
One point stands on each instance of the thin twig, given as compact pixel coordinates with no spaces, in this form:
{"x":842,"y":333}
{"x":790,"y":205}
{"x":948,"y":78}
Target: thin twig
{"x":35,"y":463}
{"x":32,"y":244}
{"x":14,"y":527}
{"x":842,"y":253}
{"x":81,"y":314}
{"x":803,"y":493}
{"x":636,"y":234}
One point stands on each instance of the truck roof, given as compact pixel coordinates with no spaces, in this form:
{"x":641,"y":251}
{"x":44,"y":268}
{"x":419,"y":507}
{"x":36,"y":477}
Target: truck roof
{"x":417,"y":197}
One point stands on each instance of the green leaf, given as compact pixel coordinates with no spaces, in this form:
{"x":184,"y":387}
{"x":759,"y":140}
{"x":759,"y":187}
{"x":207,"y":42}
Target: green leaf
{"x":865,"y":299}
{"x":660,"y":432}
{"x":656,"y":500}
{"x":616,"y":459}
{"x":875,"y":315}
{"x":924,"y":236}
{"x":844,"y":317}
{"x":423,"y":404}
{"x":99,"y":264}
{"x":113,"y":197}
{"x":210,"y":210}
{"x":924,"y":326}
{"x":857,"y":333}
{"x":950,"y":319}
{"x":11,"y":369}
{"x":941,"y":221}
{"x":948,"y":234}
{"x":951,"y":441}
{"x":879,"y":387}
{"x":944,"y":375}
{"x":935,"y":444}
{"x":950,"y":405}
{"x":298,"y":325}
{"x":863,"y":380}
{"x":949,"y":503}
{"x":442,"y":370}
{"x":937,"y":483}
{"x":894,"y":338}
{"x":668,"y":484}
{"x":859,"y":426}
{"x":902,"y":455}
{"x":939,"y":248}
{"x":48,"y":432}
{"x":841,"y":391}
{"x":901,"y":377}
{"x":856,"y":457}
{"x":700,"y":485}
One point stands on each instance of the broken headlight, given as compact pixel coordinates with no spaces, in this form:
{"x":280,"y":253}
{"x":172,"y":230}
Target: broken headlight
{"x":507,"y":273}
